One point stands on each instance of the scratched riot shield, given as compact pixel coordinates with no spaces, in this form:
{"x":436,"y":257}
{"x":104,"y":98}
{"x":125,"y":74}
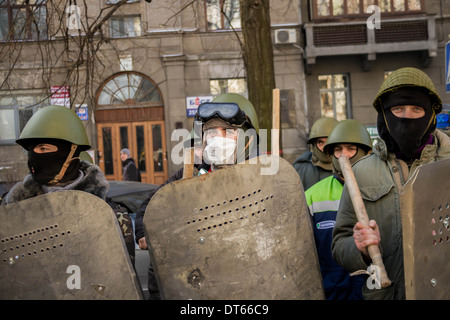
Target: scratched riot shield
{"x":425,"y":206}
{"x":234,"y":234}
{"x":64,"y":245}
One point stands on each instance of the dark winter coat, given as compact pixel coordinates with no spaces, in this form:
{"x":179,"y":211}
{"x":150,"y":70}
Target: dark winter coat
{"x":380,"y":177}
{"x":130,"y":170}
{"x":308,"y":172}
{"x":93,"y":182}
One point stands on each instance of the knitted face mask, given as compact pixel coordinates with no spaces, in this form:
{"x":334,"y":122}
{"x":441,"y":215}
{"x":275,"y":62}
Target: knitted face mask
{"x":361,"y":152}
{"x":320,"y":158}
{"x":45,"y":166}
{"x":405,"y":135}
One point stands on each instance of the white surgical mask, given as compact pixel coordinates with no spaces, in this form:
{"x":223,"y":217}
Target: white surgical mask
{"x":220,"y":151}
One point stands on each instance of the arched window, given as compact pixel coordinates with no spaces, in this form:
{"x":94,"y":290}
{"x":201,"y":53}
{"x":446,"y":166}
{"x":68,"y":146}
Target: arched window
{"x":129,"y":88}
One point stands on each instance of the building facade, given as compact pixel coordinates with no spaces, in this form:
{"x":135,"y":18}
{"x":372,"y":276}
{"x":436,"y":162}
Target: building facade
{"x":147,"y":65}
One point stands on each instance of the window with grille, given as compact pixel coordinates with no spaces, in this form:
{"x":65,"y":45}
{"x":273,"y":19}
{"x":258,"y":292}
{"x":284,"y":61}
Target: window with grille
{"x":232,"y":85}
{"x":125,"y":26}
{"x":338,"y":9}
{"x":222,"y":14}
{"x":23,"y":20}
{"x":335,"y":96}
{"x":15,"y":111}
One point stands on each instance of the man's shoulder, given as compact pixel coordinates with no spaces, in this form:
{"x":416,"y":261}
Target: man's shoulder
{"x":321,"y":185}
{"x":306,"y":157}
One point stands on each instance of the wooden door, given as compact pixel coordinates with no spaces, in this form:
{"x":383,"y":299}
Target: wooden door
{"x":146,"y":142}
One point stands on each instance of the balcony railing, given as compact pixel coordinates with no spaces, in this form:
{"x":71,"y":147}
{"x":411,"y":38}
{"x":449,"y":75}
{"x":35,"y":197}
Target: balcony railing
{"x":350,"y":38}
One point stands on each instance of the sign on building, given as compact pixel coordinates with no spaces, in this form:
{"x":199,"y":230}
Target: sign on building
{"x":373,"y":131}
{"x":60,"y":96}
{"x":82,"y":111}
{"x":192,"y":104}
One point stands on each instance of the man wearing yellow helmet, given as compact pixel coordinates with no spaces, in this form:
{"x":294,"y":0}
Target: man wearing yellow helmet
{"x":54,"y":137}
{"x":407,"y":104}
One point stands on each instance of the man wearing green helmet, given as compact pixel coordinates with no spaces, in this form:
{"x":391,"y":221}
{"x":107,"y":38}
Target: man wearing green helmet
{"x":54,"y":137}
{"x":315,"y":165}
{"x":228,"y":134}
{"x":407,"y":104}
{"x":349,"y":138}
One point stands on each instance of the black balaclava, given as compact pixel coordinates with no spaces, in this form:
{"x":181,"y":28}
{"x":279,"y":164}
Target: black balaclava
{"x":45,"y":166}
{"x":403,"y":136}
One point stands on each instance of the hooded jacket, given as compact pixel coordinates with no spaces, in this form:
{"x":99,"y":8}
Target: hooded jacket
{"x":380,"y":178}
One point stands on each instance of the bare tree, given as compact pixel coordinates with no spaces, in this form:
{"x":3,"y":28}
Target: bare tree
{"x":75,"y":58}
{"x":258,"y":58}
{"x":56,"y":48}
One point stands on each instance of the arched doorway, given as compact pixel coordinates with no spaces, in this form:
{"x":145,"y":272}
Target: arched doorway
{"x":130,"y":114}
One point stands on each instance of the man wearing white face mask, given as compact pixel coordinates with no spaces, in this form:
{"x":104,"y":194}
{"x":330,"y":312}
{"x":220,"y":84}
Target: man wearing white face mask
{"x":220,"y":151}
{"x":229,"y":135}
{"x":219,"y":143}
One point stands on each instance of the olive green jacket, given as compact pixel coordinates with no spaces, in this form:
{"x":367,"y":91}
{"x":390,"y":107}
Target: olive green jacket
{"x":380,"y":176}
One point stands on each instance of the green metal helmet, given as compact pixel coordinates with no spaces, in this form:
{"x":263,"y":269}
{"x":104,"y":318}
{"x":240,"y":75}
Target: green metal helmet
{"x":349,"y":131}
{"x":244,"y":104}
{"x":322,"y":128}
{"x":55,"y":122}
{"x":409,"y":77}
{"x":86,"y":157}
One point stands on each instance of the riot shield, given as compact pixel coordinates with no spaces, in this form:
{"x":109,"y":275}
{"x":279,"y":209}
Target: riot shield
{"x":234,"y":234}
{"x":425,"y":220}
{"x":64,"y":245}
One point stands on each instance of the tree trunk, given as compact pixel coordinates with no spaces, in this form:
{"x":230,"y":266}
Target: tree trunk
{"x":258,"y":59}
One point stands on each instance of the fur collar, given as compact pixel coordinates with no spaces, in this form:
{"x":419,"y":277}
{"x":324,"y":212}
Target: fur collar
{"x":94,"y":182}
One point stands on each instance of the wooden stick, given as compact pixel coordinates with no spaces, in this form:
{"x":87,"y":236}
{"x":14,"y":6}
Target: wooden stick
{"x":361,"y":214}
{"x":188,"y":169}
{"x":275,"y":122}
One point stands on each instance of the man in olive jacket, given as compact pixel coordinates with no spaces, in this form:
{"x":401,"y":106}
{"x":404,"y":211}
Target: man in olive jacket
{"x":407,"y":105}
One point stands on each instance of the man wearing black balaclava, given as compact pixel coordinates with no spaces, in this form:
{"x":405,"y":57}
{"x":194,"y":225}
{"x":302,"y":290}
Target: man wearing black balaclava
{"x":54,"y":137}
{"x":407,"y":105}
{"x":406,"y":120}
{"x":48,"y":157}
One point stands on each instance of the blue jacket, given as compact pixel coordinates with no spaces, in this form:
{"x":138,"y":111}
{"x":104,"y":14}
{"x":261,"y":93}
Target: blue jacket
{"x":323,"y":200}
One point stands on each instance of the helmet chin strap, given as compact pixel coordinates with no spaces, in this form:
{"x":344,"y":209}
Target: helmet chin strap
{"x":66,"y":164}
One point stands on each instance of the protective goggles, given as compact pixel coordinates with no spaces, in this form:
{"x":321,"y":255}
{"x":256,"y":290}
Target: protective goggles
{"x":228,"y":111}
